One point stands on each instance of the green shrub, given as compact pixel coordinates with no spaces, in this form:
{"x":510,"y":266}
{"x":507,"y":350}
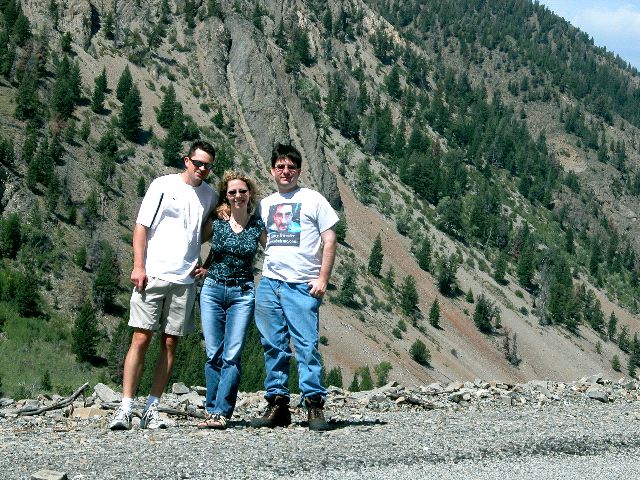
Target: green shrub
{"x":615,"y":363}
{"x":382,"y":373}
{"x":420,"y":353}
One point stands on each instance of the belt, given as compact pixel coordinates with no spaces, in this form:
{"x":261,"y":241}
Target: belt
{"x":231,"y":282}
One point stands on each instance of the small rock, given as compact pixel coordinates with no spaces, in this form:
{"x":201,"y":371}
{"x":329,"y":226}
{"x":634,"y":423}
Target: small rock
{"x":179,"y":388}
{"x":453,"y":387}
{"x":200,"y":390}
{"x":598,"y":395}
{"x":106,"y":394}
{"x":193,"y":398}
{"x":89,"y":412}
{"x":49,"y":475}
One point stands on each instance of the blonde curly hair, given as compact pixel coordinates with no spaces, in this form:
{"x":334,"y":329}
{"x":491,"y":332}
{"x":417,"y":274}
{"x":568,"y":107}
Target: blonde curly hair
{"x":223,"y":209}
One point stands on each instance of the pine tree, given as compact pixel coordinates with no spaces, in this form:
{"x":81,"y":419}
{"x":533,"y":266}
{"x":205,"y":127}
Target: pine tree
{"x":376,"y":257}
{"x":131,"y":115}
{"x":106,"y":282}
{"x":355,"y":386}
{"x":469,"y":296}
{"x":7,"y":153}
{"x":91,"y":209}
{"x":424,"y":255}
{"x":334,"y":378}
{"x":434,"y":314}
{"x":27,"y":101}
{"x":45,"y":382}
{"x":569,"y":242}
{"x":392,"y":82}
{"x":347,"y":294}
{"x":382,"y":373}
{"x":65,"y":42}
{"x":167,"y":107}
{"x":27,"y":296}
{"x":341,"y":229}
{"x":366,"y":382}
{"x":85,"y":129}
{"x":409,"y":295}
{"x":173,"y":141}
{"x":10,"y":236}
{"x":190,"y":13}
{"x":612,"y":326}
{"x":500,"y":268}
{"x":99,"y":90}
{"x":53,"y":193}
{"x":446,"y":269}
{"x":124,"y":84}
{"x":108,"y":26}
{"x":623,"y":339}
{"x":389,"y":279}
{"x":85,"y":333}
{"x":485,"y":314}
{"x":525,"y":267}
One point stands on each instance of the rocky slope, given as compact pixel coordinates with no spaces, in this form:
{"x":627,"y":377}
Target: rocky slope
{"x":230,"y":65}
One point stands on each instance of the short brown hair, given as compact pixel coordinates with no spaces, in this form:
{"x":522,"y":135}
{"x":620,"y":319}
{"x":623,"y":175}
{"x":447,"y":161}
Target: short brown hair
{"x":285,"y":151}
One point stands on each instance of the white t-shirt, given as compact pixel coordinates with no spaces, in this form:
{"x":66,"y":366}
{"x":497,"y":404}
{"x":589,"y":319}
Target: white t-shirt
{"x":174,"y":211}
{"x":294,"y":222}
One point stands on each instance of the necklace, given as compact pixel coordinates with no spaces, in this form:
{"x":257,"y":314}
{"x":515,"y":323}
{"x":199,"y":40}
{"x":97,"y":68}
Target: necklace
{"x":235,"y":225}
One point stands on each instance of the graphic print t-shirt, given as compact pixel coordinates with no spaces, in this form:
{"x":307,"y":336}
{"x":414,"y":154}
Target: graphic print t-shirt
{"x":294,"y":222}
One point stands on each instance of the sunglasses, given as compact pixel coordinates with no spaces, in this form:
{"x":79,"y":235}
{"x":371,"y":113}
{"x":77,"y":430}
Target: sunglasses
{"x":233,"y":193}
{"x":199,"y":164}
{"x":281,"y":168}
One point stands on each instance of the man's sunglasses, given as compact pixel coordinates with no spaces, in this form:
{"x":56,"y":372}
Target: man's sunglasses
{"x":199,"y":164}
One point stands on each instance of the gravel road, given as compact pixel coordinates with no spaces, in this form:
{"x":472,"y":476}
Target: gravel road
{"x":574,"y":439}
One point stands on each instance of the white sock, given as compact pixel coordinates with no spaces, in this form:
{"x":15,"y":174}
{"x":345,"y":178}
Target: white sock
{"x":126,"y":404}
{"x":151,"y":400}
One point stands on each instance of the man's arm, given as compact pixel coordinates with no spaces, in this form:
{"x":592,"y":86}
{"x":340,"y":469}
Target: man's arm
{"x":319,"y":286}
{"x":139,"y":273}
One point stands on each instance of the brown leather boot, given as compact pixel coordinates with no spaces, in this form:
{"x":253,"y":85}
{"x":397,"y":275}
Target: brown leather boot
{"x":315,"y":413}
{"x":276,"y":415}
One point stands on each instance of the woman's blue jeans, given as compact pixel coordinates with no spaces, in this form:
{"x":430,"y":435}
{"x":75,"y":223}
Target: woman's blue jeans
{"x":225,"y":312}
{"x":285,"y":312}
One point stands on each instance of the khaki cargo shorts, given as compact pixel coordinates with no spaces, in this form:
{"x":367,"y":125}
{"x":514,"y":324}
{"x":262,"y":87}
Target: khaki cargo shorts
{"x":164,"y":306}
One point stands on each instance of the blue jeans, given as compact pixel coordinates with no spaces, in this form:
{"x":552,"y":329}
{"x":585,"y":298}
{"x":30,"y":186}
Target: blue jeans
{"x":225,"y":313}
{"x":284,"y":312}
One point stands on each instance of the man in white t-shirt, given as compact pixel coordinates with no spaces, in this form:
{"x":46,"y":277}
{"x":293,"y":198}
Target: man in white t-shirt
{"x":297,"y":266}
{"x":166,"y":251}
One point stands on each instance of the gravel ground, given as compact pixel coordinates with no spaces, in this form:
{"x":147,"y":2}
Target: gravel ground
{"x":580,"y":438}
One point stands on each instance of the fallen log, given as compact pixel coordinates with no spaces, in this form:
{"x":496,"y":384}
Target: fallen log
{"x":65,"y":402}
{"x":167,"y":410}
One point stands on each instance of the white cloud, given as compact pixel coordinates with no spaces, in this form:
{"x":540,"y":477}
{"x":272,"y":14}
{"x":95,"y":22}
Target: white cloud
{"x":606,"y":22}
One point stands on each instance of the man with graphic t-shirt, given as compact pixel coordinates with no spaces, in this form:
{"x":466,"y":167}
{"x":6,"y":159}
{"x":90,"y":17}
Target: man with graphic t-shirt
{"x":166,"y":251}
{"x":297,"y":266}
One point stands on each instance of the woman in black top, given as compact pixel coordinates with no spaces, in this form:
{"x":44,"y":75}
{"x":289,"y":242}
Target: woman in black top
{"x":227,"y":296}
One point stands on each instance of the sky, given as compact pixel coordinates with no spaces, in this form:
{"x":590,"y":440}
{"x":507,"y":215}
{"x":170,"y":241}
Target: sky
{"x":614,"y":24}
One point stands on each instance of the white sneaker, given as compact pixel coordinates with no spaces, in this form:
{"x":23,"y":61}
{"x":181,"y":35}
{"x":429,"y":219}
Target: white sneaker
{"x":121,"y":420}
{"x":151,"y":418}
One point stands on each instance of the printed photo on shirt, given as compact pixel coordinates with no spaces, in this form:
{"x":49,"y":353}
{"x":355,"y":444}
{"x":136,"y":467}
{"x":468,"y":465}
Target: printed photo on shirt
{"x":283,"y":224}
